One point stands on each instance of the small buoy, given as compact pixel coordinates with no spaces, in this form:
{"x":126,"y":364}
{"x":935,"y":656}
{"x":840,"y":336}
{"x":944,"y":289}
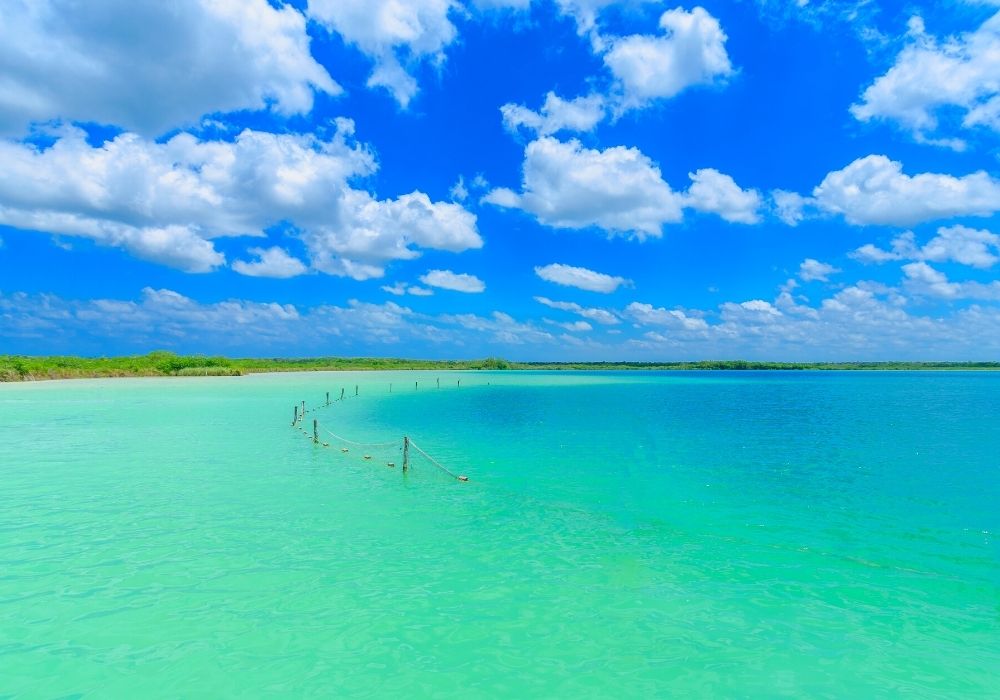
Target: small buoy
{"x":326,"y":444}
{"x":390,"y":464}
{"x":343,"y":449}
{"x":463,"y":478}
{"x":368,"y":456}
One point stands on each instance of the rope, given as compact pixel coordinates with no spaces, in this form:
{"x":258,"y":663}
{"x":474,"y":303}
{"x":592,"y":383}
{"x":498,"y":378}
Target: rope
{"x":433,"y":461}
{"x":361,"y":444}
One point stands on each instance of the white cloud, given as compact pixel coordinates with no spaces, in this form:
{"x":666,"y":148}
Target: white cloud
{"x":647,"y":314}
{"x":691,"y":52}
{"x":755,"y":306}
{"x":163,"y":318}
{"x":568,"y":186}
{"x":401,"y":288}
{"x":715,"y":192}
{"x":150,"y":66}
{"x":923,"y":279}
{"x":572,"y":326}
{"x":587,"y":12}
{"x":964,"y":245}
{"x":500,"y":327}
{"x":790,"y":206}
{"x":814,"y":270}
{"x":271,"y":262}
{"x":579,"y":114}
{"x":602,"y":316}
{"x":961,"y":244}
{"x":392,"y":33}
{"x":459,"y":192}
{"x":930,"y":75}
{"x":502,"y":4}
{"x":446,"y":279}
{"x":618,"y":189}
{"x":581,"y":278}
{"x":874,"y":190}
{"x":165,"y":201}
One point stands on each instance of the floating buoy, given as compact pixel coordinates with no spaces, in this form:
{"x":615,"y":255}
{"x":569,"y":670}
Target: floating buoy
{"x":343,"y":449}
{"x":463,"y":478}
{"x":326,"y":444}
{"x":368,"y":456}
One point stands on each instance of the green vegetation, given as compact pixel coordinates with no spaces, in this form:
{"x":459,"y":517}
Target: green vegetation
{"x":168,"y":364}
{"x":751,"y":365}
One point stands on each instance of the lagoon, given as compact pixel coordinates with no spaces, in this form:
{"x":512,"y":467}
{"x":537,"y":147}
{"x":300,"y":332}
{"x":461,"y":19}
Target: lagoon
{"x":623,"y":534}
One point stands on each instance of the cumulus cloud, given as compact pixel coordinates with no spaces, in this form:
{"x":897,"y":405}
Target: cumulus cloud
{"x":960,"y":244}
{"x":166,"y":201}
{"x":790,"y":206}
{"x":874,"y":190}
{"x":649,"y":315}
{"x":150,"y":66}
{"x":923,"y":279}
{"x":618,"y":189}
{"x":930,"y":75}
{"x":446,"y":279}
{"x":691,"y":51}
{"x":715,"y":192}
{"x":581,"y":278}
{"x":392,"y":34}
{"x":566,"y":185}
{"x":814,"y":270}
{"x":602,"y":316}
{"x":271,"y":262}
{"x":579,"y":114}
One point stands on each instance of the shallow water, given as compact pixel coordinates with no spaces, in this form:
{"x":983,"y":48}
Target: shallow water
{"x":621,"y":535}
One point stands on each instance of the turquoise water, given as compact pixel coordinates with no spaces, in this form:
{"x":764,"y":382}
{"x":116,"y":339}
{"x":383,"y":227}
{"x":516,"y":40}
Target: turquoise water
{"x":621,"y":535}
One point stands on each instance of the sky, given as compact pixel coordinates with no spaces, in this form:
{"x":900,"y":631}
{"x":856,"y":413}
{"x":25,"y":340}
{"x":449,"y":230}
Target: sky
{"x":528,"y":179}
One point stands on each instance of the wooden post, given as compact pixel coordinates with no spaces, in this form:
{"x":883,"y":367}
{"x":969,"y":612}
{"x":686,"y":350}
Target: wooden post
{"x":414,"y":386}
{"x":390,"y":387}
{"x":328,"y":398}
{"x":303,"y":409}
{"x":460,"y":382}
{"x":355,"y":389}
{"x":295,"y":418}
{"x":439,"y":382}
{"x":341,"y":393}
{"x":315,"y":431}
{"x":406,"y":454}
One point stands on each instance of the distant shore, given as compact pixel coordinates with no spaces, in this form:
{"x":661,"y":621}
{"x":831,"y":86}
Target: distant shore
{"x":15,"y":368}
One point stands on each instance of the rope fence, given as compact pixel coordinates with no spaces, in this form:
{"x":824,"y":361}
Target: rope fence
{"x":299,"y":416}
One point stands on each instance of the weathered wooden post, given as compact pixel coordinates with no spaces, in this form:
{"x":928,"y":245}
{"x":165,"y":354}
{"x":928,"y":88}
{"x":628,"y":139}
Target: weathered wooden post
{"x":414,"y":385}
{"x":303,"y":409}
{"x":406,"y":454}
{"x":390,"y":387}
{"x":328,"y":398}
{"x":460,"y":382}
{"x":341,"y":393}
{"x":439,"y":382}
{"x":315,"y":431}
{"x":295,"y":417}
{"x":355,"y":389}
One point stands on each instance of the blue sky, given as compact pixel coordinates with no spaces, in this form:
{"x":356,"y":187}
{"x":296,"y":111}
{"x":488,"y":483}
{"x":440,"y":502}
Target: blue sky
{"x":535,"y":179}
